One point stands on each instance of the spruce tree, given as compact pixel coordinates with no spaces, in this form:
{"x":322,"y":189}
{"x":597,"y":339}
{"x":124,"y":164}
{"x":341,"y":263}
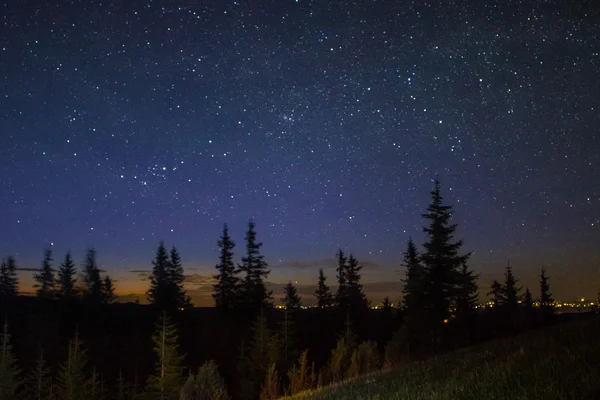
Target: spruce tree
{"x":40,"y":382}
{"x":510,"y":289}
{"x":291,"y":300}
{"x":71,"y":379}
{"x":287,"y":336}
{"x":260,"y":354}
{"x":175,"y":277}
{"x":467,"y":295}
{"x":414,"y":285}
{"x":159,"y":280}
{"x":94,"y":387}
{"x":546,"y":300}
{"x":357,"y":300}
{"x":441,"y":260}
{"x":10,"y":381}
{"x":9,"y":283}
{"x":167,"y":377}
{"x":341,"y":297}
{"x":498,"y":298}
{"x":44,"y":279}
{"x":527,"y":299}
{"x":253,"y":289}
{"x":226,"y":288}
{"x":108,"y":290}
{"x":66,"y":278}
{"x":323,"y":294}
{"x":92,"y":282}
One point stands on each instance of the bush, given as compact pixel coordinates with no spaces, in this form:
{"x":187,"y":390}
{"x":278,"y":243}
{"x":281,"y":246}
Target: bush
{"x":207,"y":384}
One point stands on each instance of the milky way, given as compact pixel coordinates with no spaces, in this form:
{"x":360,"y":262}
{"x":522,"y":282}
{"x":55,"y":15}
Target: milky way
{"x":325,"y":122}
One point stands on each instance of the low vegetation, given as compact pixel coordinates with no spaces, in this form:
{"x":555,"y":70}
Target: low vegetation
{"x":559,"y":362}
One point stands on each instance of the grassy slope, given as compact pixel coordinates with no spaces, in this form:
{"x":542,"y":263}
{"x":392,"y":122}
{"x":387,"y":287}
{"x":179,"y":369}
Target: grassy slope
{"x":560,"y":362}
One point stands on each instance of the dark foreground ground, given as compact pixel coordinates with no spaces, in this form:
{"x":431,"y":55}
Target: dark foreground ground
{"x":558,"y":362}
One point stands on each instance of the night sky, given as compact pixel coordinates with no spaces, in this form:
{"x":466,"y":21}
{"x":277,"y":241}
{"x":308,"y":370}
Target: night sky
{"x":325,"y":122}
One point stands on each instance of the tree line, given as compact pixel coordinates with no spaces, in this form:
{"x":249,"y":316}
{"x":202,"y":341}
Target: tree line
{"x":438,"y":310}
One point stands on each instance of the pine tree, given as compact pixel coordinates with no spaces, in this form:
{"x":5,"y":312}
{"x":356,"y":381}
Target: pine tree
{"x":323,"y":294}
{"x":94,"y":387}
{"x":92,"y":282}
{"x":159,"y":280}
{"x":287,"y":336}
{"x":441,"y":260}
{"x":175,"y":277}
{"x":108,"y":290}
{"x":66,"y":278}
{"x":546,"y":300}
{"x":527,"y":298}
{"x":226,"y":289}
{"x":39,"y":382}
{"x":45,"y":278}
{"x":10,"y":381}
{"x":9,"y":283}
{"x":497,"y":294}
{"x":510,"y":289}
{"x":270,"y":389}
{"x":386,"y":304}
{"x":466,"y":300}
{"x":357,"y":300}
{"x":413,"y":289}
{"x":206,"y":384}
{"x":122,"y":389}
{"x":71,"y":379}
{"x":168,"y":371}
{"x":341,"y":297}
{"x":259,"y":350}
{"x":291,"y":300}
{"x":253,"y":289}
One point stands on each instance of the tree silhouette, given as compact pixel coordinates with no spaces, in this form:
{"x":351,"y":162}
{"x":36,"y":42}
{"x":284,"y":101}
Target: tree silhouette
{"x":546,"y":300}
{"x":66,"y":278}
{"x":9,"y":282}
{"x":497,"y":294}
{"x":510,"y":289}
{"x":466,"y":299}
{"x":92,"y":282}
{"x":167,"y":377}
{"x":441,"y":260}
{"x":40,"y":382}
{"x":253,"y":290}
{"x":71,"y":379}
{"x":413,"y":290}
{"x":527,"y":298}
{"x":206,"y":384}
{"x":341,"y":297}
{"x":10,"y":381}
{"x":159,"y":280}
{"x":44,"y":279}
{"x":323,"y":293}
{"x":357,"y":300}
{"x":175,"y":278}
{"x":226,"y":288}
{"x":108,"y":290}
{"x":291,"y":300}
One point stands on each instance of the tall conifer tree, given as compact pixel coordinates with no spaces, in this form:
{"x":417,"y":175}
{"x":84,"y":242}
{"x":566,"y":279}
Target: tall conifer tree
{"x":511,"y":290}
{"x":10,"y":380}
{"x":45,"y":278}
{"x":40,"y":382}
{"x":226,"y":288}
{"x":176,"y":276}
{"x":467,"y":295}
{"x":291,"y":300}
{"x":341,"y":297}
{"x":546,"y":300}
{"x":441,"y":260}
{"x":323,"y":293}
{"x":71,"y":379}
{"x":357,"y":300}
{"x":414,"y":284}
{"x":92,"y":281}
{"x":108,"y":290}
{"x":9,"y":282}
{"x":497,"y":294}
{"x":159,"y":280}
{"x":66,"y":278}
{"x":253,"y":289}
{"x":167,"y":378}
{"x":527,"y":298}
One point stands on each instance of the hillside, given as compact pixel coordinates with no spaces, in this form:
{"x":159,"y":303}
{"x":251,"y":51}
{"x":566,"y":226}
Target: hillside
{"x":559,"y":362}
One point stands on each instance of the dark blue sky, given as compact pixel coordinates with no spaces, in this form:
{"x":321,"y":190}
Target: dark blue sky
{"x":125,"y":123}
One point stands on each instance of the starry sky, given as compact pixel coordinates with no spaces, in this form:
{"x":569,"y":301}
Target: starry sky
{"x":124,"y":123}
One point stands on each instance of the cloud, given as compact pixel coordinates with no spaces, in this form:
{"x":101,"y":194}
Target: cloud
{"x":200,"y":281}
{"x":29,"y":269}
{"x":326,"y":263}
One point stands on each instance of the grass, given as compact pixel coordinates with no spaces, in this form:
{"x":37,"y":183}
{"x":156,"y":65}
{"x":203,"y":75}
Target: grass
{"x":559,"y":362}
